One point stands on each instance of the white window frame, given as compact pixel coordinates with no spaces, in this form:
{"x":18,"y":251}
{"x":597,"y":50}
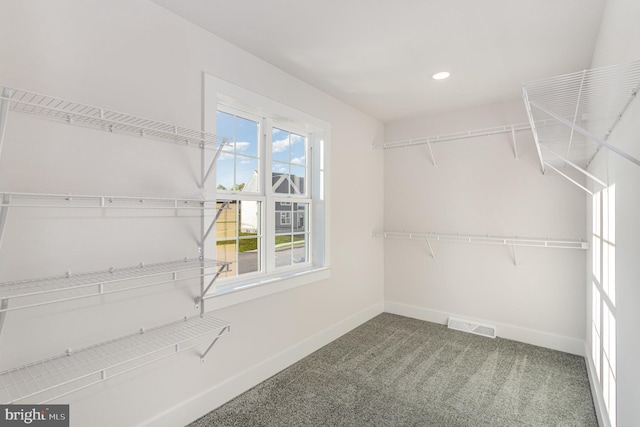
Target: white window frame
{"x":224,"y":96}
{"x":603,"y":301}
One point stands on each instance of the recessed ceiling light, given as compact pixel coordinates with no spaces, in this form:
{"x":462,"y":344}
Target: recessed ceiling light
{"x":441,"y":75}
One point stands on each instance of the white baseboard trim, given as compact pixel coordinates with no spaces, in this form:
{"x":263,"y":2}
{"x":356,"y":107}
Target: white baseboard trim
{"x":197,"y":406}
{"x":515,"y":333}
{"x":596,"y":390}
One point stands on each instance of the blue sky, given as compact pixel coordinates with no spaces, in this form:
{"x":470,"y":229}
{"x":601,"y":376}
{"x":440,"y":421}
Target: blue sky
{"x":288,"y":150}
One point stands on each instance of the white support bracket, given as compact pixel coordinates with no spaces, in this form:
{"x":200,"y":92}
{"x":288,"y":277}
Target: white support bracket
{"x":569,"y":178}
{"x":532,"y":123}
{"x":215,"y":340}
{"x":212,"y":166}
{"x":586,"y":133}
{"x":577,"y":109}
{"x":4,"y":304}
{"x":513,"y":140}
{"x":433,"y":158}
{"x":431,"y":252}
{"x":200,"y":300}
{"x":4,"y":211}
{"x":514,"y":254}
{"x":4,"y":112}
{"x":594,"y":178}
{"x":224,"y":206}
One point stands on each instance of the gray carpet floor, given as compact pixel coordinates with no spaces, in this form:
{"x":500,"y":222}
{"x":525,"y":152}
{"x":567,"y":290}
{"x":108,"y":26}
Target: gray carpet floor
{"x":397,"y":371}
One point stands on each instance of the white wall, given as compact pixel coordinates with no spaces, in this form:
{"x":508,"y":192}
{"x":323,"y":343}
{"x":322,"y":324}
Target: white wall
{"x":478,"y":187}
{"x":136,"y":57}
{"x":618,"y":43}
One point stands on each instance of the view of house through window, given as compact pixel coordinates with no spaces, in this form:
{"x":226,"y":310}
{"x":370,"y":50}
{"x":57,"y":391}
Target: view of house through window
{"x":603,"y":309}
{"x":265,"y":222}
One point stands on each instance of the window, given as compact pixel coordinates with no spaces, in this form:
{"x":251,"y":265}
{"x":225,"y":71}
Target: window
{"x":270,"y":181}
{"x":285,"y":217}
{"x":603,"y":295}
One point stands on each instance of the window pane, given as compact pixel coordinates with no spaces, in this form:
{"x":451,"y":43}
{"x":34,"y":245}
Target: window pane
{"x":226,"y":251}
{"x":595,"y":249}
{"x":612,"y":214}
{"x":247,"y":132}
{"x":280,"y":179}
{"x":595,"y":308}
{"x":225,"y":171}
{"x":249,"y":218}
{"x":595,"y":349}
{"x":301,"y":213}
{"x":280,"y":145}
{"x":609,"y":336}
{"x":283,"y":222}
{"x":298,"y":174}
{"x":283,"y":250}
{"x":238,"y":237}
{"x":300,"y":250}
{"x":611,"y":272}
{"x":237,"y":166}
{"x":246,"y":174}
{"x":289,"y":160}
{"x":224,"y":125}
{"x":226,"y":226}
{"x":596,"y":213}
{"x":298,"y":150}
{"x":248,"y":256}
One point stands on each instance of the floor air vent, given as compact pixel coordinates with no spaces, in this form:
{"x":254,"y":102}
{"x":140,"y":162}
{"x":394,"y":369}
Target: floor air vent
{"x":471,"y":327}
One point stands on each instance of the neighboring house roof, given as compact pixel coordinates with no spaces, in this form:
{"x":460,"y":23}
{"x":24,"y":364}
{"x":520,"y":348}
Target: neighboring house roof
{"x":281,"y":183}
{"x":252,"y":184}
{"x":287,"y":184}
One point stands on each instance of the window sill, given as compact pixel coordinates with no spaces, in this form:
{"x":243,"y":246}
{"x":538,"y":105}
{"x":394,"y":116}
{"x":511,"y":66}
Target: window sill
{"x":264,"y":286}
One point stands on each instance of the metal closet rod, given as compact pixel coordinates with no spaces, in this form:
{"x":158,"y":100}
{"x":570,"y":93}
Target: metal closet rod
{"x":101,"y":201}
{"x":487,"y":239}
{"x":477,"y":133}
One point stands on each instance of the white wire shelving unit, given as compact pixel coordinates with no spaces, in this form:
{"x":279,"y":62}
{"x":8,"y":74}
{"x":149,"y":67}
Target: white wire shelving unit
{"x":79,"y":114}
{"x":486,"y":239}
{"x":48,"y":290}
{"x":43,"y":200}
{"x":585,"y":108}
{"x":74,"y":370}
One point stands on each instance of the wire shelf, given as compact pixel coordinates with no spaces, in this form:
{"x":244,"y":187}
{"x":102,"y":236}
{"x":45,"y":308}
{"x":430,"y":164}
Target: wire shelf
{"x":476,"y":133}
{"x":585,"y":106}
{"x":39,"y":200}
{"x":52,"y":378}
{"x":488,"y":239}
{"x":47,"y":290}
{"x":99,"y":118}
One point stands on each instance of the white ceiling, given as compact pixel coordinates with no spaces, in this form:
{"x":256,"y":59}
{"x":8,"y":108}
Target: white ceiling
{"x":378,"y":55}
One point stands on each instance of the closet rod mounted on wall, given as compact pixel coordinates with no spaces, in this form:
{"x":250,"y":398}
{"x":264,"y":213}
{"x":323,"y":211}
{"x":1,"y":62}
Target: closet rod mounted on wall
{"x":477,"y":133}
{"x":44,"y":200}
{"x":512,"y":241}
